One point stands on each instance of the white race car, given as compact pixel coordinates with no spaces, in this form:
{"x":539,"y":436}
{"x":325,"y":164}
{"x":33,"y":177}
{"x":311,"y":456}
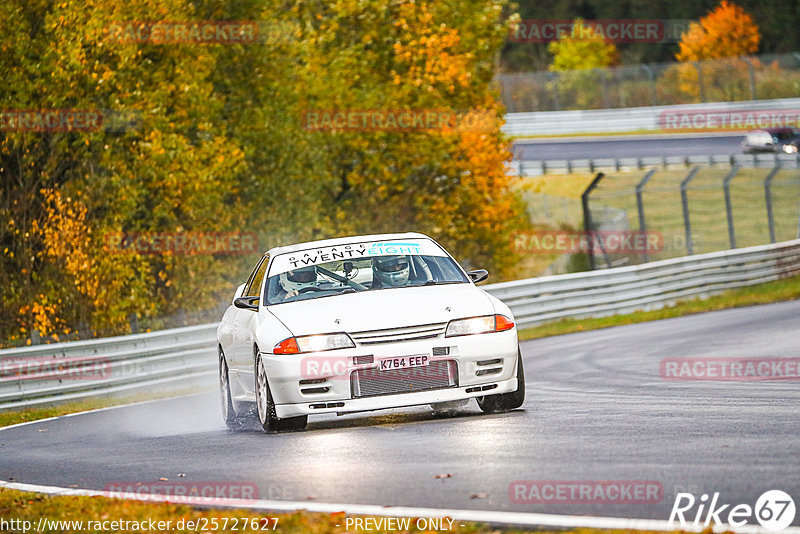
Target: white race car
{"x":364,"y":323}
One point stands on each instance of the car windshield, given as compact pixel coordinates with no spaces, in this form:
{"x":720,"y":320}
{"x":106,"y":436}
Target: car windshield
{"x":359,"y":267}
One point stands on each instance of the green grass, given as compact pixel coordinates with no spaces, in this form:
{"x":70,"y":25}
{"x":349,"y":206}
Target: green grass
{"x":781,"y":290}
{"x":664,"y":213}
{"x":553,"y":200}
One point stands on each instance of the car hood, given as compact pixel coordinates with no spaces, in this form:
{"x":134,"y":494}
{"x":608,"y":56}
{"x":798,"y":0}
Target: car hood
{"x":385,"y":308}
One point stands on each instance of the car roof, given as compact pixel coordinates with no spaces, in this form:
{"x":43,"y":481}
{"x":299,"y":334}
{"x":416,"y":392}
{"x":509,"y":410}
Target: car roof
{"x":776,"y":130}
{"x":343,"y":241}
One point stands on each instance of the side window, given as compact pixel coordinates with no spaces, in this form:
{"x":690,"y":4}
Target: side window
{"x":254,"y":285}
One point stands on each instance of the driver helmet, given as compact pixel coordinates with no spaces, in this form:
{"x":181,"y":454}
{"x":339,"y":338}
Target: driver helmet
{"x":298,"y":279}
{"x":391,"y":271}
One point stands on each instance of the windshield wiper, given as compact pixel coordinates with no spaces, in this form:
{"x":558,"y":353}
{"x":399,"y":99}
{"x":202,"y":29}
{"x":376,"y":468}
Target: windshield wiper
{"x":344,"y":290}
{"x":435,"y":283}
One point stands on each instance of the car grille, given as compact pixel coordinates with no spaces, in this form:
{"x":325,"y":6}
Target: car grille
{"x":372,"y":382}
{"x":394,"y":335}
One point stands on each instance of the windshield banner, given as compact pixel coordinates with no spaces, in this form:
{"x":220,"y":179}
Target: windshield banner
{"x":355,"y":251}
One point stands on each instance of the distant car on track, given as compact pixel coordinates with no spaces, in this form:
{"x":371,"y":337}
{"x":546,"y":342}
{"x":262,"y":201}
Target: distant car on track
{"x":772,"y":140}
{"x":364,"y":323}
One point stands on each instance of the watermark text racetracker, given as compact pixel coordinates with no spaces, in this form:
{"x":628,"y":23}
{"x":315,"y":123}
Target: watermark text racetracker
{"x":213,"y":492}
{"x":722,"y":119}
{"x":612,"y":30}
{"x":316,"y":369}
{"x":730,"y":369}
{"x":585,"y":491}
{"x":68,"y":120}
{"x":397,"y":120}
{"x":608,"y":241}
{"x":56,"y":368}
{"x":184,"y":32}
{"x":181,"y":243}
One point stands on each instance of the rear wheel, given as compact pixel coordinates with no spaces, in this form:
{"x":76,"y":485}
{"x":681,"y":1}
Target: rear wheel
{"x":266,"y":406}
{"x":506,"y":401}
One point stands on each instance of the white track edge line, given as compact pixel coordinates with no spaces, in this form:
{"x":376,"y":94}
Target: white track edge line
{"x":480,"y":516}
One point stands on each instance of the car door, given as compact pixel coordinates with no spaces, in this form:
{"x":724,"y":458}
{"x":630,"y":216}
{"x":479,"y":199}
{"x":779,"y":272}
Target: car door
{"x":241,"y":356}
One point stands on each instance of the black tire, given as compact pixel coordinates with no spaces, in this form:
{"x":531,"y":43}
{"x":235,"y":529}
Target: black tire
{"x":506,"y":401}
{"x":265,"y":406}
{"x":234,"y":419}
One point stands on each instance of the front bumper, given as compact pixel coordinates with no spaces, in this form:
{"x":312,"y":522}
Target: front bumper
{"x":323,"y":382}
{"x":394,"y":401}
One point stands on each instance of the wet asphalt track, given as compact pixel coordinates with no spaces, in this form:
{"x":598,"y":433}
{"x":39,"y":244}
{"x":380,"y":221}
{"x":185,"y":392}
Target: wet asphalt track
{"x":596,"y":409}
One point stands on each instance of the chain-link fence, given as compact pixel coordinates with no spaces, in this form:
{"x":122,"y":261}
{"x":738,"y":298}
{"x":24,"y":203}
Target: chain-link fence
{"x":721,"y":80}
{"x":666,"y":213}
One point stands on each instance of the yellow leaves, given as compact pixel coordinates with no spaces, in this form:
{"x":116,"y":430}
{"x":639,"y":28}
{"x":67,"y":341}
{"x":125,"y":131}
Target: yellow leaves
{"x":430,"y":52}
{"x":583,"y":48}
{"x":64,"y":233}
{"x":44,"y":316}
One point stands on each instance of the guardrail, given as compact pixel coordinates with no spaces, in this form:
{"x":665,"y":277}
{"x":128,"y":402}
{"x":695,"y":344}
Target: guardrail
{"x":541,"y":167}
{"x":648,"y":286}
{"x":181,"y":357}
{"x":642,"y":118}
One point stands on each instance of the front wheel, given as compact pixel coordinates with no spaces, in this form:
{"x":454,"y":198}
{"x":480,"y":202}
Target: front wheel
{"x":506,"y":401}
{"x":266,"y":406}
{"x":233,"y":419}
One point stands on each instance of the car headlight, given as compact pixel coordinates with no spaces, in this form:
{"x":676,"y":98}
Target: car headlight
{"x":790,"y":149}
{"x":478,"y":325}
{"x":315,"y":343}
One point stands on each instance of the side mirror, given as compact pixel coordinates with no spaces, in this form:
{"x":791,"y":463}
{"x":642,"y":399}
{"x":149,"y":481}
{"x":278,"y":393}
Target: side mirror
{"x":246,"y":303}
{"x":239,"y":293}
{"x":478,"y":275}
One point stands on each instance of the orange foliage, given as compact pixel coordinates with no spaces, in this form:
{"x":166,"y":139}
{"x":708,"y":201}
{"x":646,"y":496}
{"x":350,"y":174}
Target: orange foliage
{"x":725,"y":32}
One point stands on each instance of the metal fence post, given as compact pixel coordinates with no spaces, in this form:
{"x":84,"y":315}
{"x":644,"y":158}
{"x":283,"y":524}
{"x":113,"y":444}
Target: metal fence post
{"x":640,"y":206}
{"x":133,"y":319}
{"x":651,"y":77}
{"x":798,"y":222}
{"x":587,"y":216}
{"x":556,"y":96}
{"x":726,"y":185}
{"x":685,"y":202}
{"x":768,"y":199}
{"x":752,"y":78}
{"x":700,"y":80}
{"x":604,"y":88}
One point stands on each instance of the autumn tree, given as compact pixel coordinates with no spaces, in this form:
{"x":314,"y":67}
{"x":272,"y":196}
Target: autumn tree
{"x":450,"y":183}
{"x":578,"y":57}
{"x":582,"y":48}
{"x":726,"y":32}
{"x":218,"y":143}
{"x":65,"y":191}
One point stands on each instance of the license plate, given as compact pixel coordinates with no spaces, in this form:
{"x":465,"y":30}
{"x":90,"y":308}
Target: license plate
{"x":403,"y":362}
